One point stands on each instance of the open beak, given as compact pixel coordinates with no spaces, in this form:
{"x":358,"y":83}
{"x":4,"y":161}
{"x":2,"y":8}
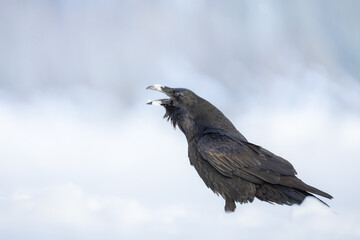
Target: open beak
{"x":160,"y":88}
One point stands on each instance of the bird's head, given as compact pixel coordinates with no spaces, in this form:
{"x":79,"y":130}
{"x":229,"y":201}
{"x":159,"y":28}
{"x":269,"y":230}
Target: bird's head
{"x":178,"y":97}
{"x":191,"y":113}
{"x":180,"y":106}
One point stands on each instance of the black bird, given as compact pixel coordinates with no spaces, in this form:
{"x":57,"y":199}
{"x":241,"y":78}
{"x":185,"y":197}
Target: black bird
{"x":228,"y":164}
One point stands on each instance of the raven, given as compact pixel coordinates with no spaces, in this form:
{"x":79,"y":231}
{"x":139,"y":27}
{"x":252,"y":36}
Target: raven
{"x":228,"y":164}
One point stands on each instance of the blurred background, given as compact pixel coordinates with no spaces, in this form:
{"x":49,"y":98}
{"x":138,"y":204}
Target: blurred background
{"x":83,"y":157}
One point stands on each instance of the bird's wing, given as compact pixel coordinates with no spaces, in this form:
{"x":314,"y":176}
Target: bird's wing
{"x":233,"y":157}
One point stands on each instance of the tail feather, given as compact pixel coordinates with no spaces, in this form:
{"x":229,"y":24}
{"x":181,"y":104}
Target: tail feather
{"x":282,"y":194}
{"x":294,"y":182}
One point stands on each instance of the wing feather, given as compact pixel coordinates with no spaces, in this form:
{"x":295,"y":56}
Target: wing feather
{"x":232,"y":157}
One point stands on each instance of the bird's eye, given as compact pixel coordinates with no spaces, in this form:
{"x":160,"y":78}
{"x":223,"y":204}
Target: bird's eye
{"x":176,"y":94}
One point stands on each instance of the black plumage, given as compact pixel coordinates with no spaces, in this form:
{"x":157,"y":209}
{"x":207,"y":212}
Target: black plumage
{"x":228,"y":164}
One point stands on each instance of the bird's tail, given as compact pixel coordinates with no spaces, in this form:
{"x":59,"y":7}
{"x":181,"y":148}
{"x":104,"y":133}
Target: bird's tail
{"x":294,"y":182}
{"x":290,"y":190}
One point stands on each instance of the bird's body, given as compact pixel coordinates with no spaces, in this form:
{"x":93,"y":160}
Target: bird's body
{"x":228,"y":164}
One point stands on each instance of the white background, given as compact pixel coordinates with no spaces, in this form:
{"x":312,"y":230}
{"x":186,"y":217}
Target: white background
{"x":83,"y":157}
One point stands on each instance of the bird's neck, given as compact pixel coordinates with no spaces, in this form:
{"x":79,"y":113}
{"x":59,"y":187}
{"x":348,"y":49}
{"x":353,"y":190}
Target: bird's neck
{"x":204,"y":117}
